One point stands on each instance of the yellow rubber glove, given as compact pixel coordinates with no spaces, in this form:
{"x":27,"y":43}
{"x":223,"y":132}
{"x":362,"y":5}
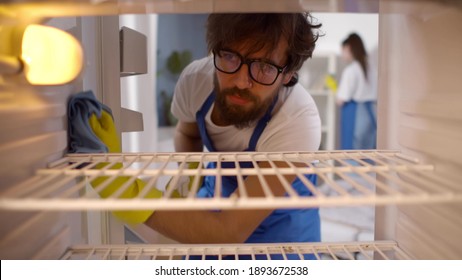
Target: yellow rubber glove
{"x":105,"y":130}
{"x":330,"y":83}
{"x":184,"y":184}
{"x":133,"y":190}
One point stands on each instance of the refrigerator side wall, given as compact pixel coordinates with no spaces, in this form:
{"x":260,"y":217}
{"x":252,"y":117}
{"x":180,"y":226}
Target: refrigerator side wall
{"x":420,"y":113}
{"x":34,"y":122}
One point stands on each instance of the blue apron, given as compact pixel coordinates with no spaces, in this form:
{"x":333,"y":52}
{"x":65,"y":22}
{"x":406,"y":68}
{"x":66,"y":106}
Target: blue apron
{"x":358,"y":128}
{"x":284,"y":225}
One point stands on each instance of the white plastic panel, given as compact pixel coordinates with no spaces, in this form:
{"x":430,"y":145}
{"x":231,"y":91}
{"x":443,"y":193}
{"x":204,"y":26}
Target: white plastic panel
{"x":336,"y":251}
{"x":419,"y":113}
{"x":54,"y":8}
{"x":350,"y":179}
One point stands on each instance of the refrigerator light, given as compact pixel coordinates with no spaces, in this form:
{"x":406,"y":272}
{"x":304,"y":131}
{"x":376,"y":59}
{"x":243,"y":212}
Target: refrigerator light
{"x":46,"y":56}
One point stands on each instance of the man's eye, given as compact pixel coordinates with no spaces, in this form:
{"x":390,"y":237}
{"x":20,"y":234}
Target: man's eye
{"x":229,"y":56}
{"x":266,"y":68}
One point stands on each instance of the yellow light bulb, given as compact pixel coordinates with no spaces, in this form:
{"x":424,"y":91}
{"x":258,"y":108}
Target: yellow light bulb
{"x":50,"y":55}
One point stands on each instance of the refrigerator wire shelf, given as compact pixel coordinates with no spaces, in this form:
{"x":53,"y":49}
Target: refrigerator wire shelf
{"x":345,"y":178}
{"x":322,"y":251}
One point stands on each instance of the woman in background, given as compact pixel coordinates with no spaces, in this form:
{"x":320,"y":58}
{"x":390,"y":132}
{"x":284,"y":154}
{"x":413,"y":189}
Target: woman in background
{"x":356,"y":97}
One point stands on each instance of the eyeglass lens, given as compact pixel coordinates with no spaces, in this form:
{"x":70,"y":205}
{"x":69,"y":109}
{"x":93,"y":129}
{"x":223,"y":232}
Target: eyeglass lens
{"x":260,"y":71}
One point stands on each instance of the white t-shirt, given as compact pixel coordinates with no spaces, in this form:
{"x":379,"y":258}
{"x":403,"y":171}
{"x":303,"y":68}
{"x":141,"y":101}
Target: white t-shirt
{"x":354,"y":86}
{"x":295,"y":124}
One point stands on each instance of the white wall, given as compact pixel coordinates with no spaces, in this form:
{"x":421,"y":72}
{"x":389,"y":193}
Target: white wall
{"x":336,"y":28}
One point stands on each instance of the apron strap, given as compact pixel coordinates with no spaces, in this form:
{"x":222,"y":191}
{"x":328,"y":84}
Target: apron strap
{"x":200,"y":118}
{"x":261,"y":126}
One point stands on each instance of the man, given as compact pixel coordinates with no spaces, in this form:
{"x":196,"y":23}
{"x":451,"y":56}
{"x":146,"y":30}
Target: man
{"x":245,"y":98}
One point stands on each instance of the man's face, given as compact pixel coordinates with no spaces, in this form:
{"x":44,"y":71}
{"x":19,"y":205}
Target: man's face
{"x":239,"y":99}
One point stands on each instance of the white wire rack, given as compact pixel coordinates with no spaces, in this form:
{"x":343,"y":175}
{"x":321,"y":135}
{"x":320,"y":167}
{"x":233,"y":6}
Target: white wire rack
{"x":331,"y":251}
{"x":349,"y":178}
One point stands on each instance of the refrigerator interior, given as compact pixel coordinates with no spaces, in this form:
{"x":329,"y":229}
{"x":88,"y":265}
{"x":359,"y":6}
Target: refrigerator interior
{"x":48,"y":212}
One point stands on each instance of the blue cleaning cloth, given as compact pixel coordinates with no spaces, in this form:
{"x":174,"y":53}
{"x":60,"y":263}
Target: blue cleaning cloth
{"x":81,"y":137}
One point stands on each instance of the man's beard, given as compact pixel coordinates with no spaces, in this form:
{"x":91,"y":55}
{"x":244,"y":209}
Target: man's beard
{"x":237,"y":115}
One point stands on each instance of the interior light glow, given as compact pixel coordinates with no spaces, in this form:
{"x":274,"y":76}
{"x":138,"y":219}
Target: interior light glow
{"x":50,"y":55}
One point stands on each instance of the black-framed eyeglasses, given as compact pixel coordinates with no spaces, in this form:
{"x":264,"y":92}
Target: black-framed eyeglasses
{"x":261,"y":71}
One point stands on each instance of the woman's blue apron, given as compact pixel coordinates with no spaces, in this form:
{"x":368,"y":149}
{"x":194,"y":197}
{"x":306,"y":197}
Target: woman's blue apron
{"x":284,"y":225}
{"x":358,"y":126}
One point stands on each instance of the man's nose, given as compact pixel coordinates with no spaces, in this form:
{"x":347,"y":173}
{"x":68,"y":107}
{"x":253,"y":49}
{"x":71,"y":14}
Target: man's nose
{"x":242,"y":78}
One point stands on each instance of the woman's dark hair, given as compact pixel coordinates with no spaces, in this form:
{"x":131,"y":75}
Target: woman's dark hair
{"x":357,"y":50}
{"x":263,"y":31}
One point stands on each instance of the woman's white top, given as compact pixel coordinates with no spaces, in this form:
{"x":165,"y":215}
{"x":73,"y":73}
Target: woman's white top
{"x":354,"y":85}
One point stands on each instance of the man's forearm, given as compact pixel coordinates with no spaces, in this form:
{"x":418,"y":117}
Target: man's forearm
{"x":225,"y":226}
{"x":198,"y":226}
{"x":184,"y":143}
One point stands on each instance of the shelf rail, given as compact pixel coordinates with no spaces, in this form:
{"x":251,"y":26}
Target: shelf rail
{"x":345,"y":178}
{"x":322,"y":251}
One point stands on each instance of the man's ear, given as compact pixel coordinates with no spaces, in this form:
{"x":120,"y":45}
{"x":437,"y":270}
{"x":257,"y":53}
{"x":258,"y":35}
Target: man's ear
{"x":287,"y":77}
{"x":290,"y":79}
